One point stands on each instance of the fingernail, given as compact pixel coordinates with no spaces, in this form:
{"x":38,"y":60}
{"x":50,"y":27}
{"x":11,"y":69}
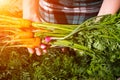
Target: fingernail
{"x":44,"y":50}
{"x":38,"y":52}
{"x":42,"y":46}
{"x":30,"y":50}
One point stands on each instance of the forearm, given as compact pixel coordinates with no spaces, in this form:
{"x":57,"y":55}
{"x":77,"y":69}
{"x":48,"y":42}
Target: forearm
{"x":30,"y":8}
{"x":109,"y":7}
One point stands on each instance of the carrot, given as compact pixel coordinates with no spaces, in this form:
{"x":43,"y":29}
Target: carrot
{"x":29,"y":42}
{"x":32,"y":42}
{"x":17,"y":21}
{"x":23,"y":34}
{"x":10,"y":26}
{"x":17,"y":33}
{"x":34,"y":29}
{"x":8,"y":32}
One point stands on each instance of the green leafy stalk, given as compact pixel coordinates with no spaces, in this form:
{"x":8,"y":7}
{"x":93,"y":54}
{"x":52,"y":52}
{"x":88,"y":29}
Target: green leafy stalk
{"x":88,"y":34}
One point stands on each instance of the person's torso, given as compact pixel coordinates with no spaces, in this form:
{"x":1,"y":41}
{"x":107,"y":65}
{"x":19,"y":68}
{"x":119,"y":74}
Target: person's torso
{"x":73,"y":3}
{"x":69,"y":8}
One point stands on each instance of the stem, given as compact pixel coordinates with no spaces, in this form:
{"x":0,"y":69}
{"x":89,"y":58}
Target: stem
{"x":48,"y":25}
{"x":72,"y":45}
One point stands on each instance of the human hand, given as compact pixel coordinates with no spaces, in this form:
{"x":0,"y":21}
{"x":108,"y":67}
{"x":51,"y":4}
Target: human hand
{"x":42,"y":48}
{"x":38,"y":50}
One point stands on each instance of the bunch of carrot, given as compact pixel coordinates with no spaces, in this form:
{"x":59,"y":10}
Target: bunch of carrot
{"x":18,"y":32}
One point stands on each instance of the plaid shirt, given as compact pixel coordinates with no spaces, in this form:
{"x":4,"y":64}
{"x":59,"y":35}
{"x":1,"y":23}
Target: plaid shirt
{"x":68,"y":11}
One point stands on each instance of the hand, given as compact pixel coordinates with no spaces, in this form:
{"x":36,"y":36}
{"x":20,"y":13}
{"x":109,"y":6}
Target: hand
{"x":31,"y":12}
{"x":36,"y":50}
{"x":42,"y":48}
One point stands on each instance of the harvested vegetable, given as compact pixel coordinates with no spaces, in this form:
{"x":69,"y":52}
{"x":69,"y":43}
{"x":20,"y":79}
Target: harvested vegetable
{"x":19,"y":31}
{"x":93,"y":53}
{"x":17,"y":21}
{"x":30,"y":42}
{"x":24,"y":34}
{"x":99,"y":41}
{"x":92,"y":36}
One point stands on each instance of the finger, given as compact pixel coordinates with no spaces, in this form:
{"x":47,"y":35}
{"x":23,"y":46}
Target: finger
{"x":44,"y":51}
{"x":38,"y":51}
{"x":43,"y":46}
{"x":30,"y":50}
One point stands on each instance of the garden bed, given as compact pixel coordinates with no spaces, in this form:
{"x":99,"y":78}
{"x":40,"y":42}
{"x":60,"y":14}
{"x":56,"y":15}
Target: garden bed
{"x":16,"y":63}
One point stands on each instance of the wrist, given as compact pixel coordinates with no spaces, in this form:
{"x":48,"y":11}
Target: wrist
{"x":31,"y":9}
{"x":32,"y":17}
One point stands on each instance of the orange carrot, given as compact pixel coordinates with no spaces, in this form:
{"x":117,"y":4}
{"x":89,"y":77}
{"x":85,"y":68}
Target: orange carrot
{"x":23,"y":34}
{"x":10,"y":26}
{"x":17,"y":33}
{"x":29,"y":42}
{"x":16,"y":21}
{"x":33,"y":42}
